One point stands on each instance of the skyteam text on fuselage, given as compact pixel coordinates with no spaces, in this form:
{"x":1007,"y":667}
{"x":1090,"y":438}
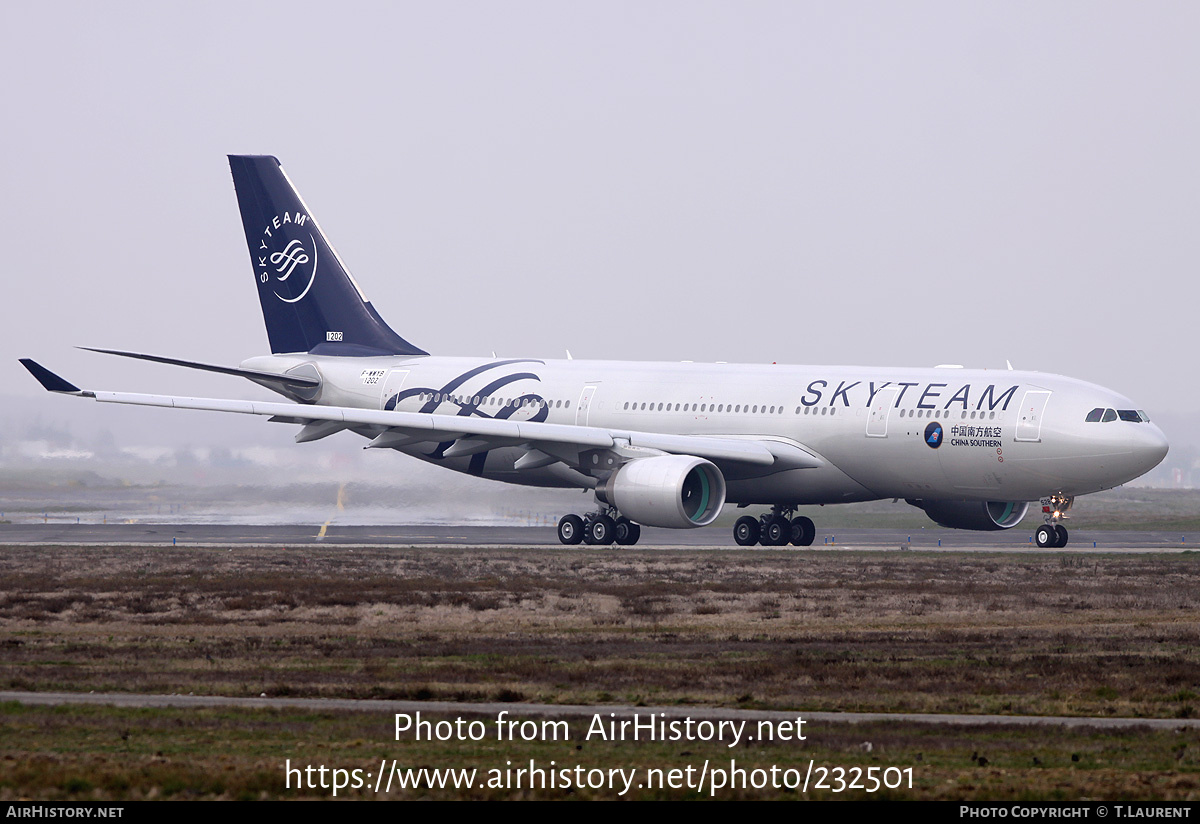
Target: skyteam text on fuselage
{"x":661,"y":444}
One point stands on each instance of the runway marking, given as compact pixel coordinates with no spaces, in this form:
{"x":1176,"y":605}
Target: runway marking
{"x":341,"y":507}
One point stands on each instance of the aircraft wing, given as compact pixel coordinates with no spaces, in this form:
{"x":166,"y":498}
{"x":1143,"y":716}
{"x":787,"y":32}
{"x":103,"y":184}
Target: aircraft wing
{"x":470,"y":434}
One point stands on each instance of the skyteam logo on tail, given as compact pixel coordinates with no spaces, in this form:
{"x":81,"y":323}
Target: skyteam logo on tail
{"x":286,"y":259}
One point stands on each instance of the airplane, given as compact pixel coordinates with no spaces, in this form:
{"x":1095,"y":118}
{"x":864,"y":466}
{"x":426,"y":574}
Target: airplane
{"x":660,"y":444}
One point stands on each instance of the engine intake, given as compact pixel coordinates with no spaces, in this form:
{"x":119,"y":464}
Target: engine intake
{"x":977,"y":515}
{"x":673,"y":491}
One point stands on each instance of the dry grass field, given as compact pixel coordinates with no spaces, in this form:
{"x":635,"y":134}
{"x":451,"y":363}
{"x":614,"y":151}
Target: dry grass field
{"x":1042,"y":634}
{"x":1052,"y":634}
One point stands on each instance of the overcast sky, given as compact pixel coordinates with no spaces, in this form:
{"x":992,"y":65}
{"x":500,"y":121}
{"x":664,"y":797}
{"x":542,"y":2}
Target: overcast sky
{"x":867,"y":183}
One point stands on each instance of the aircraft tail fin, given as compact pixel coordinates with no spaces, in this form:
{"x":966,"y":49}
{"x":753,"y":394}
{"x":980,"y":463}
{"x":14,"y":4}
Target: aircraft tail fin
{"x":309,"y":300}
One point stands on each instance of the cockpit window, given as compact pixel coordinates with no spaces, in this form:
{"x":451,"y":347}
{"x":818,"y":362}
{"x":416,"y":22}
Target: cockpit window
{"x":1105,"y":415}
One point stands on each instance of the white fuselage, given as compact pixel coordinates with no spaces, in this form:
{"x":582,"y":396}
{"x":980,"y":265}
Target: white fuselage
{"x":1000,"y":435}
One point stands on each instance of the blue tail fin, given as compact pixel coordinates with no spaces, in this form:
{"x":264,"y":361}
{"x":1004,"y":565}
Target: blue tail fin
{"x":309,"y":301}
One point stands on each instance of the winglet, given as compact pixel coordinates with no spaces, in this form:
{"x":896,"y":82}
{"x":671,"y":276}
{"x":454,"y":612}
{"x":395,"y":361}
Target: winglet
{"x":48,"y":379}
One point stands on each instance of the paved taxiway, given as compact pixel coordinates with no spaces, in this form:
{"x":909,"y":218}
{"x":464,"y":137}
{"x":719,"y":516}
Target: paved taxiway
{"x":512,"y":536}
{"x":518,"y":711}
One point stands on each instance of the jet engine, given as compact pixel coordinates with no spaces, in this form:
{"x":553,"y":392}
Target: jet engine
{"x":674,"y":491}
{"x":978,"y":515}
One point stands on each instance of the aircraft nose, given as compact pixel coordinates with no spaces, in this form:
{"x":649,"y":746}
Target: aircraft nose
{"x":1125,"y":450}
{"x":1152,"y":446}
{"x":1144,"y":446}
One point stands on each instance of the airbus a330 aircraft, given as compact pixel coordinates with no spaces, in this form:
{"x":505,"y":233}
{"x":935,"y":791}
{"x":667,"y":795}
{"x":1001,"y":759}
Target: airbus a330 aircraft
{"x":662,"y":444}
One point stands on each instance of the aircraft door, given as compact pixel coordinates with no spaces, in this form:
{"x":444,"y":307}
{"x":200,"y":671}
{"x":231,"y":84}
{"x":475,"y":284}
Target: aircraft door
{"x":1029,"y":420}
{"x":881,"y":410}
{"x":585,"y":405}
{"x":392,"y":386}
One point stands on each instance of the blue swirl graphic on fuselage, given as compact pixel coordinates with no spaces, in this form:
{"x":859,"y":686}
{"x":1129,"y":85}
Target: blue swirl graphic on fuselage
{"x":468,"y":408}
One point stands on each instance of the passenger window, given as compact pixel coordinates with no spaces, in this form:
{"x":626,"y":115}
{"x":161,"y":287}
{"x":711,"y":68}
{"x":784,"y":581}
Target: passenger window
{"x":1109,"y":415}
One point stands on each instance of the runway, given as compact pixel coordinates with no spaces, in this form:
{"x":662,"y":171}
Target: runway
{"x":878,"y":539}
{"x":518,"y":711}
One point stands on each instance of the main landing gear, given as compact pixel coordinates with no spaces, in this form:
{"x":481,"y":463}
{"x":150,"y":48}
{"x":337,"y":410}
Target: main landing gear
{"x":776,"y":528}
{"x":1052,"y":534}
{"x":599,"y":529}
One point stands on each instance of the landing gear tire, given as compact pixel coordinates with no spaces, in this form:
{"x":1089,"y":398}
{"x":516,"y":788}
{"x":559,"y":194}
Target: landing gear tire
{"x":1046,"y":537}
{"x":1061,"y":532}
{"x":627,"y":532}
{"x":804,"y":531}
{"x":570,"y":529}
{"x":745,"y":531}
{"x":602,"y":530}
{"x":777,"y":531}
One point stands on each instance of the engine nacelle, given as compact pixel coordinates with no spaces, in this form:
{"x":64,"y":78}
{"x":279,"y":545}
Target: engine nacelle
{"x":673,"y":491}
{"x":977,"y":515}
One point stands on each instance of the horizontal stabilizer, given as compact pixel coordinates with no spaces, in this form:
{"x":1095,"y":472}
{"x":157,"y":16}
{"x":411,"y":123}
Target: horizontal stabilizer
{"x":48,"y":379}
{"x":291,"y":381}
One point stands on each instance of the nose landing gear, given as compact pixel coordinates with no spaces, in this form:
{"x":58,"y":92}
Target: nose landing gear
{"x":1052,"y":534}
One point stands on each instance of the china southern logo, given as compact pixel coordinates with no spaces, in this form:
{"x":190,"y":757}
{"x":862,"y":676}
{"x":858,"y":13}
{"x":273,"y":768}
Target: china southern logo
{"x":283,"y":252}
{"x":933,"y":435}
